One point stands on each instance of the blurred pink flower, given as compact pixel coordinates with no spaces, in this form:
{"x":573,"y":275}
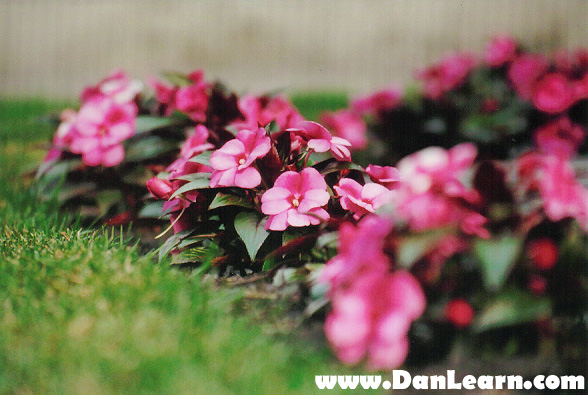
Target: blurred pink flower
{"x":500,"y":50}
{"x":320,"y":140}
{"x":359,"y":199}
{"x":553,"y":93}
{"x":100,"y":127}
{"x":524,"y":71}
{"x":387,"y":176}
{"x":195,"y":144}
{"x":192,"y":99}
{"x":431,"y":191}
{"x":563,"y":196}
{"x":232,"y":162}
{"x":117,"y":86}
{"x":63,"y":135}
{"x":261,"y":110}
{"x":348,"y":125}
{"x":450,"y":73}
{"x":377,"y":103}
{"x":165,"y":94}
{"x":296,"y":200}
{"x":560,"y":137}
{"x":366,"y":321}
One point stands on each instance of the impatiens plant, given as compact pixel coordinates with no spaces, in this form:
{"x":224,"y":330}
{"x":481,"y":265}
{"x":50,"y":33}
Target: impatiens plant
{"x":408,"y":220}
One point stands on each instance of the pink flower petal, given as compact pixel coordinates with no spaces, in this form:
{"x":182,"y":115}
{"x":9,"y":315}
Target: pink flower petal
{"x":247,"y":178}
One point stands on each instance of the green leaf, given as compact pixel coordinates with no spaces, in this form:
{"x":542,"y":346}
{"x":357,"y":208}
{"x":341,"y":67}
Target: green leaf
{"x":511,"y":308}
{"x":414,"y":247}
{"x":222,"y":200}
{"x":108,"y":198}
{"x":203,"y":158}
{"x":202,"y":182}
{"x":251,"y":229}
{"x":176,"y":78}
{"x":172,"y":242}
{"x":497,"y":256}
{"x":147,"y":123}
{"x":338,"y":166}
{"x":148,"y":148}
{"x":71,"y":191}
{"x":152,"y":210}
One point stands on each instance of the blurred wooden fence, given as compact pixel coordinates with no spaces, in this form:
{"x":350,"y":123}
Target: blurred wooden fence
{"x":53,"y":48}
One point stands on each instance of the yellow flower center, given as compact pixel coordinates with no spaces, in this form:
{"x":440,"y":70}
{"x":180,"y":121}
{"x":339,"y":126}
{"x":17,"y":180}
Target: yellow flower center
{"x":241,"y":161}
{"x":295,"y":202}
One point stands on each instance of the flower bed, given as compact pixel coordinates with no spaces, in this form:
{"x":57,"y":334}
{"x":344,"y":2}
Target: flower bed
{"x":457,"y":210}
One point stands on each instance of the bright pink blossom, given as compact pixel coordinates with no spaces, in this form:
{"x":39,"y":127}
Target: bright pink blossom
{"x":432,"y":191}
{"x":560,"y":137}
{"x":261,"y":110}
{"x":232,"y":163}
{"x":387,"y":176}
{"x":320,"y":140}
{"x":524,"y":72}
{"x":359,"y":199}
{"x":296,"y":200}
{"x":348,"y":125}
{"x":553,"y":93}
{"x":377,"y":103}
{"x":500,"y":50}
{"x":100,"y":127}
{"x":450,"y":73}
{"x":195,"y":144}
{"x":117,"y":86}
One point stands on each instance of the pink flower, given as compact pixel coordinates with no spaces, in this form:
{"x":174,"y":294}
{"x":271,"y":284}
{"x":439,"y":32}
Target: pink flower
{"x":232,"y":162}
{"x":563,"y":196}
{"x":63,"y":135}
{"x":524,"y":71}
{"x":192,"y":100}
{"x":164,"y":94}
{"x":261,"y":110}
{"x":361,"y":199}
{"x":195,"y":144}
{"x":501,"y":50}
{"x":99,"y":128}
{"x":377,"y":103}
{"x":347,"y":125}
{"x":320,"y":140}
{"x":372,"y":308}
{"x":553,"y":93}
{"x":296,"y":200}
{"x":360,"y":251}
{"x":160,"y":188}
{"x":431,"y":192}
{"x":450,"y":73}
{"x":560,"y":137}
{"x":117,"y":86}
{"x":387,"y":176}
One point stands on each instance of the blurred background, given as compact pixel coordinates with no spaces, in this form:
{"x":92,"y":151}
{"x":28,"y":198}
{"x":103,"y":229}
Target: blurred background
{"x":52,"y":48}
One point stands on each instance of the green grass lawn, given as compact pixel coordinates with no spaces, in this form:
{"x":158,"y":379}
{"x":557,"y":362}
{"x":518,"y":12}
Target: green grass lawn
{"x":83,"y":312}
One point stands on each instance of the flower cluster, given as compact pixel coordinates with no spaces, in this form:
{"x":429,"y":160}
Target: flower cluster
{"x":466,"y":198}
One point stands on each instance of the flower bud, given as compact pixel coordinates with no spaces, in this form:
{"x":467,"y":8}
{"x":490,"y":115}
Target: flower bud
{"x":160,"y":188}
